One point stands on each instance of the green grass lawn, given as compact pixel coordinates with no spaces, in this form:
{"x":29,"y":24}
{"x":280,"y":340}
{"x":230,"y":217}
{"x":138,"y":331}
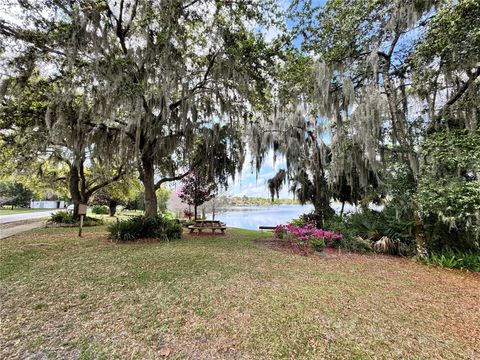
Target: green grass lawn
{"x":229,"y":297}
{"x":8,"y":211}
{"x":122,"y":215}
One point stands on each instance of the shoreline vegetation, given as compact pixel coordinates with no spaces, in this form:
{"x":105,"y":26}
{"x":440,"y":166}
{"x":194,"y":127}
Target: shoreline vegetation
{"x":258,"y":201}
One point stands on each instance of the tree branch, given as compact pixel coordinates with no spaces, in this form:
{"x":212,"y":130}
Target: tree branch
{"x":189,"y":4}
{"x":453,"y":99}
{"x":199,"y":85}
{"x":120,"y":173}
{"x":177,"y":177}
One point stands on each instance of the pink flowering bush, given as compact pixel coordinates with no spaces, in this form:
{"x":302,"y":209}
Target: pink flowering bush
{"x":305,"y":237}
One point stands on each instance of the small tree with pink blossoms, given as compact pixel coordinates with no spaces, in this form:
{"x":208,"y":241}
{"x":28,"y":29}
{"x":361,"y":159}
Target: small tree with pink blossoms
{"x":196,"y":190}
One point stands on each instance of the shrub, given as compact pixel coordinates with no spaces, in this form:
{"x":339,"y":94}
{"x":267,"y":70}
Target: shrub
{"x":279,"y":232}
{"x":362,"y":229}
{"x":173,"y":229}
{"x":100,"y":209}
{"x":449,"y":188}
{"x":123,"y":231}
{"x":66,"y":218}
{"x":386,"y":245}
{"x":139,"y":227}
{"x":62,"y":217}
{"x":170,"y":215}
{"x":350,"y":240}
{"x":300,"y":221}
{"x":313,"y":218}
{"x":318,"y":244}
{"x":366,"y":224}
{"x":454,"y":259}
{"x":356,"y":244}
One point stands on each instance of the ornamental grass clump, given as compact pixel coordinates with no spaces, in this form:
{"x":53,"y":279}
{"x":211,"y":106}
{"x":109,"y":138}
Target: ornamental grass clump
{"x":305,"y":239}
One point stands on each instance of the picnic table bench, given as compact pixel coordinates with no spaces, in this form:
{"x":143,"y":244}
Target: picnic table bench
{"x":263,"y":227}
{"x":207,"y":224}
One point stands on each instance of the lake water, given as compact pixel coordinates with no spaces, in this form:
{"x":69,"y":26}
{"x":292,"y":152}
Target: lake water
{"x":251,"y":217}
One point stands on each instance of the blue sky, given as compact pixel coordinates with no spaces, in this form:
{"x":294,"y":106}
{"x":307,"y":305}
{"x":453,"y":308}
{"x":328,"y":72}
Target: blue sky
{"x":251,"y":183}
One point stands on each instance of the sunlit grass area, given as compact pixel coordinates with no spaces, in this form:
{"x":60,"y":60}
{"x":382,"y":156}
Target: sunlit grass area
{"x":119,"y":215}
{"x":225,"y":297}
{"x":8,"y":211}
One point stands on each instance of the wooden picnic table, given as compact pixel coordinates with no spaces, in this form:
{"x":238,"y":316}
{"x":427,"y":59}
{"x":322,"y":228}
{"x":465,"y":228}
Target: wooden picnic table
{"x":207,"y":224}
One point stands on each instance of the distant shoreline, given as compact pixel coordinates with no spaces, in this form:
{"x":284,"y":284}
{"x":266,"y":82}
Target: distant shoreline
{"x":258,"y":201}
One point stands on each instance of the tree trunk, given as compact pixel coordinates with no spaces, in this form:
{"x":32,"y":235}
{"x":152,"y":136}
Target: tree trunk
{"x":321,"y":196}
{"x":341,"y":210}
{"x":77,"y":188}
{"x":73,"y":185}
{"x":112,"y":207}
{"x":195,"y":212}
{"x":148,"y":180}
{"x":403,"y":137}
{"x":321,"y":202}
{"x":323,"y":212}
{"x":422,"y":250}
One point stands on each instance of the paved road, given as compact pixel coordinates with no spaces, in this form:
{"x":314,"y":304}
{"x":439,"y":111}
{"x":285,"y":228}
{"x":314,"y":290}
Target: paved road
{"x":14,"y":230}
{"x":25,"y":216}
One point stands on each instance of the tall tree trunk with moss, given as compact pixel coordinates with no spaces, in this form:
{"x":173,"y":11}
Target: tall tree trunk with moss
{"x":404,"y":139}
{"x":74,"y":187}
{"x":148,"y":180}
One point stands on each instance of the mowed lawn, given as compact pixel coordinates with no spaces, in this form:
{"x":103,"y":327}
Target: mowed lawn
{"x":9,"y":211}
{"x":228,"y":297}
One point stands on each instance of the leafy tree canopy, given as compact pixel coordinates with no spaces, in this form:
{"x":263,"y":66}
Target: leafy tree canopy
{"x":14,"y":194}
